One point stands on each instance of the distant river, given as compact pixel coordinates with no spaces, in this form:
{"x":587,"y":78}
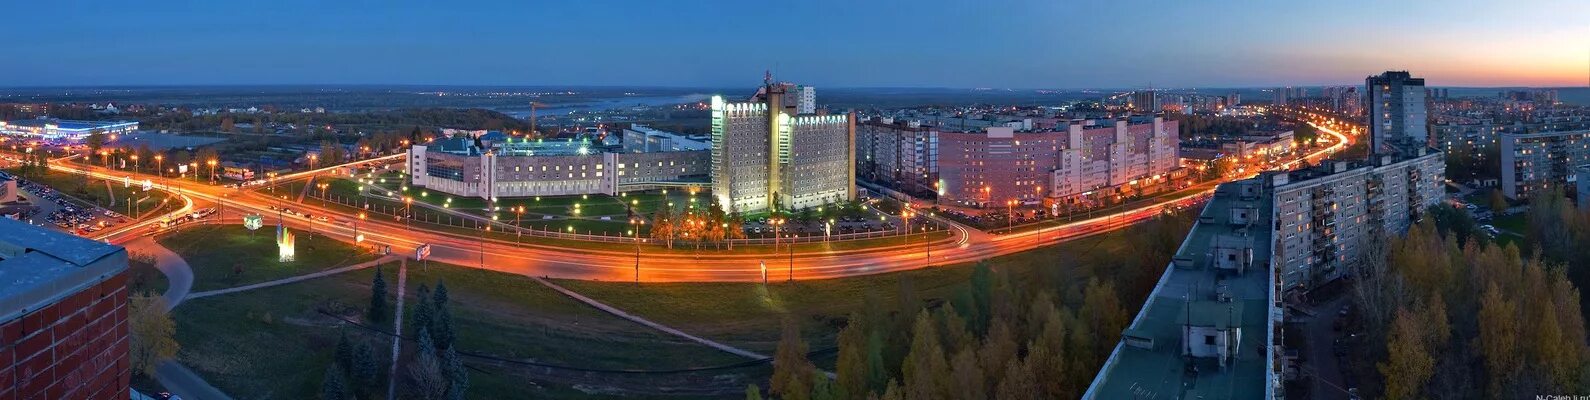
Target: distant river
{"x":603,"y":104}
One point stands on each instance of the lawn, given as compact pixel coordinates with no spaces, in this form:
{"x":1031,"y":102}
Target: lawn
{"x":281,"y":332}
{"x":224,"y":256}
{"x":749,"y":314}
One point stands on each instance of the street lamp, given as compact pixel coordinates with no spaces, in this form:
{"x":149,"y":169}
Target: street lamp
{"x":357,"y":238}
{"x":635,"y":223}
{"x":211,"y":163}
{"x":1010,"y":215}
{"x":408,"y":215}
{"x":160,"y":165}
{"x":323,"y":187}
{"x":517,"y":229}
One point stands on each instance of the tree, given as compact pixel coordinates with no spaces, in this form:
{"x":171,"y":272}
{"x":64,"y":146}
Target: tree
{"x":378,"y":311}
{"x":440,"y":297}
{"x":752,"y":392}
{"x":444,"y":328}
{"x":662,"y":225}
{"x":824,"y":389}
{"x":792,"y":372}
{"x":425,"y":372}
{"x":227,"y":125}
{"x":457,"y":375}
{"x":152,"y":333}
{"x":424,"y":312}
{"x":365,"y":370}
{"x":735,"y":229}
{"x":95,"y":141}
{"x":344,"y":353}
{"x":967,"y":376}
{"x":924,"y":370}
{"x":851,"y":367}
{"x":333,"y":388}
{"x":1018,"y":382}
{"x":999,"y":348}
{"x":1498,"y":339}
{"x":1498,"y":202}
{"x":1408,"y":364}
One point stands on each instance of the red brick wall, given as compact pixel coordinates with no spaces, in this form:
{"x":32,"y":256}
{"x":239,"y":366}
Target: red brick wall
{"x":73,"y":349}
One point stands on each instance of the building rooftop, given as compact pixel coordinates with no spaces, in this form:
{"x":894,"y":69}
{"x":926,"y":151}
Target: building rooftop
{"x":65,"y":124}
{"x":1195,"y":290}
{"x":39,"y":266}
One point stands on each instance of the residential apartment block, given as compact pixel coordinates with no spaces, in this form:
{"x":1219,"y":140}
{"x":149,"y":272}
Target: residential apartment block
{"x":1534,"y":162}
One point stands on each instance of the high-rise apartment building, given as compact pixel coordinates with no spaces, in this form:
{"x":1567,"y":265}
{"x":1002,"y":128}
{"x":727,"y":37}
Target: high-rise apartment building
{"x":1535,"y":162}
{"x":1397,"y":116}
{"x":1146,"y":101}
{"x":1281,"y":96}
{"x":767,"y":153}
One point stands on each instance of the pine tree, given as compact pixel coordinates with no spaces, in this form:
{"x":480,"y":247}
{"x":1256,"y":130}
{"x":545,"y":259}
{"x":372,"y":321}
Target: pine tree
{"x":365,"y":370}
{"x":440,"y":297}
{"x":344,"y":354}
{"x":925,"y":371}
{"x":457,"y":375}
{"x":792,"y":372}
{"x":424,"y":313}
{"x":378,"y":311}
{"x":425,"y":373}
{"x":332,"y":388}
{"x":444,"y":328}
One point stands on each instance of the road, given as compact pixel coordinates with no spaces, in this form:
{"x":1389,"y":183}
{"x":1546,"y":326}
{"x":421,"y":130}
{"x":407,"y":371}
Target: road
{"x":618,"y":263}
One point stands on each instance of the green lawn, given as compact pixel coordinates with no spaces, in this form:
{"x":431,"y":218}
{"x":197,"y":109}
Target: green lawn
{"x":224,"y":256}
{"x":749,"y":314}
{"x":279,"y":332}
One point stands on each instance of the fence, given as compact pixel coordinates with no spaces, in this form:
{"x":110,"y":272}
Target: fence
{"x":473,"y":222}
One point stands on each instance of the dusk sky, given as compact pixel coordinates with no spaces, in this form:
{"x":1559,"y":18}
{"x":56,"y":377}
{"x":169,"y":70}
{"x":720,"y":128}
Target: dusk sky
{"x":920,"y":43}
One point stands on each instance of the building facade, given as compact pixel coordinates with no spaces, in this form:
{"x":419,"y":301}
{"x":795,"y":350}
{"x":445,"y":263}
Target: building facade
{"x":900,"y":155}
{"x":1080,"y":162}
{"x":64,"y":130}
{"x":1325,"y":216}
{"x":549,"y":168}
{"x":766,"y":153}
{"x":1397,"y":114}
{"x":1536,"y":162}
{"x":63,"y":311}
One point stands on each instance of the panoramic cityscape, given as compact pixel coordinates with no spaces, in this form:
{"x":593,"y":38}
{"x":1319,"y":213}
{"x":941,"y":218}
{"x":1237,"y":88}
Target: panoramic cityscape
{"x":824,"y":200}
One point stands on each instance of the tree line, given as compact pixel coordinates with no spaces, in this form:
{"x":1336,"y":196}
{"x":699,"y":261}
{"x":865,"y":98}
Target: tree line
{"x":1005,"y":334}
{"x":1448,"y":313}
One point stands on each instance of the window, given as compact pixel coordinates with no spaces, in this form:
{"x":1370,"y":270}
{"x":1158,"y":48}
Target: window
{"x":1209,"y":340}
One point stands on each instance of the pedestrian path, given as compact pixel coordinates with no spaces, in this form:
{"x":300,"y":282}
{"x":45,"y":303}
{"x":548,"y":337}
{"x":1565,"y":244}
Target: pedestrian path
{"x":670,"y":330}
{"x":299,"y":278}
{"x":179,"y":281}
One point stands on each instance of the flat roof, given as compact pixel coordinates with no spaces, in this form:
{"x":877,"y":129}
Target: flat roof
{"x":1188,"y":293}
{"x":39,"y":266}
{"x":67,"y":124}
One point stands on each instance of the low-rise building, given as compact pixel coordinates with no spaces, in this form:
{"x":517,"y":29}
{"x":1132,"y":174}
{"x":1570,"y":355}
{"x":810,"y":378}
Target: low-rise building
{"x":64,"y":130}
{"x":523,"y":168}
{"x":64,"y":314}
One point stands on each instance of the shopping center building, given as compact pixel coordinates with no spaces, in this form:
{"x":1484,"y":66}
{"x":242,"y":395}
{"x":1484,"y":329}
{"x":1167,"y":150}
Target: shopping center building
{"x":64,"y":130}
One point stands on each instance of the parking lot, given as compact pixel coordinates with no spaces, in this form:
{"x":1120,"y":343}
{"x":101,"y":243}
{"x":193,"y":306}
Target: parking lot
{"x":63,"y":212}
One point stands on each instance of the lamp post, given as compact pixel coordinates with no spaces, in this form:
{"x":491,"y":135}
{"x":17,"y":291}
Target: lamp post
{"x":1010,"y":215}
{"x":777,"y":222}
{"x":357,"y":240}
{"x":408,"y":204}
{"x":312,"y":158}
{"x":195,"y":167}
{"x":635,"y":224}
{"x":211,"y":163}
{"x":518,"y":214}
{"x":160,"y":165}
{"x":323,"y":187}
{"x":135,"y":162}
{"x":791,"y":247}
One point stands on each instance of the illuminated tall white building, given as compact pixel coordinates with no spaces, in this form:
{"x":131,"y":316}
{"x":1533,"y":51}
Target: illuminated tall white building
{"x":768,"y":152}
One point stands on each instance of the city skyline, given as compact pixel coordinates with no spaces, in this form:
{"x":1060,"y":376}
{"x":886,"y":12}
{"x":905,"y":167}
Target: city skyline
{"x":942,"y":44}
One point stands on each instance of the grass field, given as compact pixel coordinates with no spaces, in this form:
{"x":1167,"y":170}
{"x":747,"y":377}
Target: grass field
{"x":750,"y":314}
{"x":281,"y":332}
{"x":224,"y":256}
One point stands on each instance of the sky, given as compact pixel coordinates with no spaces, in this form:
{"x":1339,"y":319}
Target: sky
{"x":884,"y":43}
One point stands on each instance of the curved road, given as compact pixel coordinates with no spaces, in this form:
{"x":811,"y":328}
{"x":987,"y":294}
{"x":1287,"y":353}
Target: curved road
{"x":618,"y":264}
